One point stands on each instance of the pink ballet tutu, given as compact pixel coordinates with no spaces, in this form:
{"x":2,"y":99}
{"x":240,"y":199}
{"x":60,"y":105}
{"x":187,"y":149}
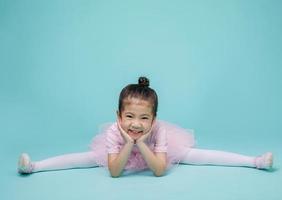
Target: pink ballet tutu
{"x":179,"y":142}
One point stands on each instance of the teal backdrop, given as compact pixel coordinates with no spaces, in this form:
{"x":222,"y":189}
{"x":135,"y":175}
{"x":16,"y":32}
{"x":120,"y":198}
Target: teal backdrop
{"x":216,"y":66}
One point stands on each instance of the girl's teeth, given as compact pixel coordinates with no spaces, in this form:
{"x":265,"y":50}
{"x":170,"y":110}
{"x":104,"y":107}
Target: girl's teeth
{"x":135,"y":132}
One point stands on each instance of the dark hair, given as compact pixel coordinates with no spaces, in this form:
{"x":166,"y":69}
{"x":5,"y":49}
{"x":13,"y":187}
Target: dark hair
{"x":140,"y":91}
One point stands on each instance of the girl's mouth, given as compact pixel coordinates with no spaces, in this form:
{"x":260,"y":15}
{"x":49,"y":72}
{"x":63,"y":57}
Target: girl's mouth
{"x":134,"y":131}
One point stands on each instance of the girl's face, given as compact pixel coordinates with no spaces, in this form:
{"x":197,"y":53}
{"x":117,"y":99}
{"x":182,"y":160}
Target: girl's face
{"x":136,"y":117}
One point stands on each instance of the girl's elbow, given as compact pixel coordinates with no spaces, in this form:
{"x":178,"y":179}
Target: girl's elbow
{"x":160,"y":172}
{"x":114,"y":174}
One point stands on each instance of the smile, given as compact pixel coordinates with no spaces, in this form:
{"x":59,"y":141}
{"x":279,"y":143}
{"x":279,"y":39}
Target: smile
{"x":134,"y":131}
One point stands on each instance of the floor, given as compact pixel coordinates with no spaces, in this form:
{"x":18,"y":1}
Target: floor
{"x":181,"y":182}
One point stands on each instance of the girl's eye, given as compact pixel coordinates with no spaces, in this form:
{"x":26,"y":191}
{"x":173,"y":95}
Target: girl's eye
{"x":145,"y":118}
{"x":128,"y":116}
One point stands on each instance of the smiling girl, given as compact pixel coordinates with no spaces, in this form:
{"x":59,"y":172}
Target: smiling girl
{"x":138,"y":141}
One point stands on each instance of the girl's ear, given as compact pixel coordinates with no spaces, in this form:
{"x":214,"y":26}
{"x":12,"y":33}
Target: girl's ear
{"x":118,"y":117}
{"x":118,"y":114}
{"x":154,"y":121}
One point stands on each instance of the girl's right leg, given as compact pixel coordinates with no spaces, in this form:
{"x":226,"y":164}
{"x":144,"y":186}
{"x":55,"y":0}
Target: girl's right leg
{"x":67,"y":161}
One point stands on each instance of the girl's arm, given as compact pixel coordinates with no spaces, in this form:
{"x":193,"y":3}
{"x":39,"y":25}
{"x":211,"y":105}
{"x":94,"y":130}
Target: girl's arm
{"x":117,"y":161}
{"x":155,"y":161}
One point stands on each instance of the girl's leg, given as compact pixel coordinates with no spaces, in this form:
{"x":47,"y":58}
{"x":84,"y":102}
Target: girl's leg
{"x":67,"y":161}
{"x":213,"y":157}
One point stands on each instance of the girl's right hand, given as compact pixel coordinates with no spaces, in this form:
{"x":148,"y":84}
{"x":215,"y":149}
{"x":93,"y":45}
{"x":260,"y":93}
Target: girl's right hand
{"x":124,"y":134}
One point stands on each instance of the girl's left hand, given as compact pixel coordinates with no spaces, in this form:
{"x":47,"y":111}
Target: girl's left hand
{"x":146,"y":135}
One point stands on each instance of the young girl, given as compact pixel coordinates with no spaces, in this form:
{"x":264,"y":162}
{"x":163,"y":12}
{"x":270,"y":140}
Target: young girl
{"x":139,"y":141}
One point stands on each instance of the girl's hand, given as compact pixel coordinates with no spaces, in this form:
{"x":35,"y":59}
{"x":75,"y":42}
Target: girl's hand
{"x":124,"y":134}
{"x":146,"y":135}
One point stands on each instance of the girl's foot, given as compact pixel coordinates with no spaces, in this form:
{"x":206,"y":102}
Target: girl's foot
{"x":25,"y":166}
{"x":264,"y":161}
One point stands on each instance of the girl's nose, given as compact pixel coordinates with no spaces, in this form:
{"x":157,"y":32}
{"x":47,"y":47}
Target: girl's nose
{"x":136,"y":124}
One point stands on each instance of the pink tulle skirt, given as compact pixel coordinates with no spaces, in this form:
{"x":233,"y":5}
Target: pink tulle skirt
{"x":180,"y":141}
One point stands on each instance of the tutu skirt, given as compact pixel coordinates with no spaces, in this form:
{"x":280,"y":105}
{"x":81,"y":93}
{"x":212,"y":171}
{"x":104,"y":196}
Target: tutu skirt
{"x":179,"y":141}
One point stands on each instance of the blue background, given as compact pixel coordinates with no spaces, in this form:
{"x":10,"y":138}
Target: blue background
{"x":216,"y":66}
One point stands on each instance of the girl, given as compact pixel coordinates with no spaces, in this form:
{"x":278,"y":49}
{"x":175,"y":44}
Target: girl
{"x":138,"y":141}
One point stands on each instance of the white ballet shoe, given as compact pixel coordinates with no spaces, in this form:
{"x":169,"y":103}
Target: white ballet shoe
{"x":264,"y":161}
{"x":25,"y":166}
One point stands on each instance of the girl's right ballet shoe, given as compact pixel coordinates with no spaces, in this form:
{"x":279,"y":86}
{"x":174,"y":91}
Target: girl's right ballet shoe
{"x":25,"y":166}
{"x":265,"y":161}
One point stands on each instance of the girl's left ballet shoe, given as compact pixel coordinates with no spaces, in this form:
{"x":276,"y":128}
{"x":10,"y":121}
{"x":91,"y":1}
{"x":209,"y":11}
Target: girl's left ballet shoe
{"x":25,"y":166}
{"x":265,"y":161}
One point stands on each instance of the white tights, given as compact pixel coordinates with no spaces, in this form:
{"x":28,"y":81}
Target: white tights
{"x":67,"y":161}
{"x":213,"y":157}
{"x":194,"y":157}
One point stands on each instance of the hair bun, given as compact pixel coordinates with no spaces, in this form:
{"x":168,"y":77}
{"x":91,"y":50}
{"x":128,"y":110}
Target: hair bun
{"x":143,"y":81}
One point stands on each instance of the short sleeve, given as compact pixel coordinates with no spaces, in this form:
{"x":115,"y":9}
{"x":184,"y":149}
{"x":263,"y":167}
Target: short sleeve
{"x":160,"y":140}
{"x":113,"y":140}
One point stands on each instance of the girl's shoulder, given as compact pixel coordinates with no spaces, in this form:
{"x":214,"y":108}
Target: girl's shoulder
{"x":171,"y":127}
{"x":166,"y":124}
{"x":108,"y":126}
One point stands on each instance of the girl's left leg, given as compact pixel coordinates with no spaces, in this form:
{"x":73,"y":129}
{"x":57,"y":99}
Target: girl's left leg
{"x":214,"y":157}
